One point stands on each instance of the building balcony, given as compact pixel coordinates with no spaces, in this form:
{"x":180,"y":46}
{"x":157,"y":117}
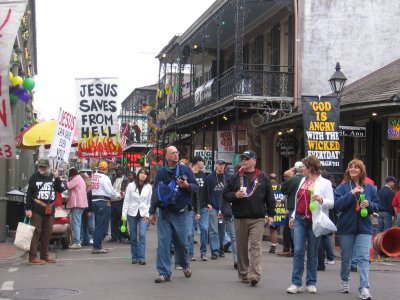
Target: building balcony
{"x":257,"y":83}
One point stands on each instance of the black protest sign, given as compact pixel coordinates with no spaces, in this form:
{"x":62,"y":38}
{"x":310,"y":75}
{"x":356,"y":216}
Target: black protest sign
{"x":321,"y":131}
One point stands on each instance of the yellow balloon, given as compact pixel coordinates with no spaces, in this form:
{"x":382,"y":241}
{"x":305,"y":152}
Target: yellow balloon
{"x":17,"y":80}
{"x":11,"y":76}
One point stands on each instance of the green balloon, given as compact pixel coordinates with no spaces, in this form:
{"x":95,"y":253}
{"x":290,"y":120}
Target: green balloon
{"x":13,"y":98}
{"x":29,"y":84}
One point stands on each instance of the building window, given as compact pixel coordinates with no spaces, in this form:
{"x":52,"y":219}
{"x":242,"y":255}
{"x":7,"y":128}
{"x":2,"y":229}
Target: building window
{"x":360,"y":149}
{"x":394,"y":159}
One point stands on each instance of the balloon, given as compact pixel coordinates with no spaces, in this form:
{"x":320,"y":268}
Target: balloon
{"x":17,"y":80}
{"x":18,"y":89}
{"x":10,"y":76}
{"x":24,"y":96}
{"x":13,"y":98}
{"x":29,"y":83}
{"x":10,"y":88}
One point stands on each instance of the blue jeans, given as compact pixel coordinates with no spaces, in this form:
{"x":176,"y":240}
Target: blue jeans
{"x":326,"y":243}
{"x":213,"y":232}
{"x":138,"y":239}
{"x":230,"y":230}
{"x":204,"y":225}
{"x":302,"y":233}
{"x":101,"y":212}
{"x":361,"y":244}
{"x":87,"y":229}
{"x":191,"y":232}
{"x":76,"y":221}
{"x":172,"y":228}
{"x":384,"y":221}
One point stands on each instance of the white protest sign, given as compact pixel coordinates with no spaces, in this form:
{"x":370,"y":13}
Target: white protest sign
{"x":63,"y":135}
{"x":97,"y":118}
{"x":207,"y":156}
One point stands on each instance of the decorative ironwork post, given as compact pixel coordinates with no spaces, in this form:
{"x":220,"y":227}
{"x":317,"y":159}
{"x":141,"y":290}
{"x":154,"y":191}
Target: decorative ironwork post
{"x":239,"y":32}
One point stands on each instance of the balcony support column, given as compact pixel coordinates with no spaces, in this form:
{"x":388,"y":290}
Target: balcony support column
{"x":239,"y":32}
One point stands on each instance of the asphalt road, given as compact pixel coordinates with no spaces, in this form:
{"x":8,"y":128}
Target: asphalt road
{"x":79,"y":274}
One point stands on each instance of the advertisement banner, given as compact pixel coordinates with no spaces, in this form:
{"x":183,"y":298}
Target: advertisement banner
{"x":98,"y":133}
{"x":225,"y":145}
{"x":63,"y":135}
{"x":11,"y":13}
{"x":321,"y":131}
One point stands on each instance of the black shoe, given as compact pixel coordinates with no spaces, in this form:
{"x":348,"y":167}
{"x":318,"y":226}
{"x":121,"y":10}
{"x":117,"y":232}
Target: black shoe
{"x":195,"y":242}
{"x":214,"y":257}
{"x":235,"y":266}
{"x":222,"y":254}
{"x":272,"y":249}
{"x":253,"y":282}
{"x":187,"y":272}
{"x":134,"y":261}
{"x":226,"y":247}
{"x":353,"y":269}
{"x":112,"y":240}
{"x":321,"y":268}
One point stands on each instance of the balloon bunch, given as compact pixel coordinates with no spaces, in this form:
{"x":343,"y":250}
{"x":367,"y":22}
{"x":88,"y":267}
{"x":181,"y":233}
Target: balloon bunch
{"x":21,"y":88}
{"x":26,"y":126}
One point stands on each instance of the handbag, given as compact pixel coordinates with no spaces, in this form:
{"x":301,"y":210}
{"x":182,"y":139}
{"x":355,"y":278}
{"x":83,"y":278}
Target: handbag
{"x":322,"y":225}
{"x":24,"y":234}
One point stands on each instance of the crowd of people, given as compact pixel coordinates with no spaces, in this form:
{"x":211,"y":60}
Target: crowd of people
{"x":229,"y":208}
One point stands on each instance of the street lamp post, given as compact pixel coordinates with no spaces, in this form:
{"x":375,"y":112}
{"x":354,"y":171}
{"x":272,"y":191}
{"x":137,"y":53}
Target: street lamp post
{"x":338,"y":82}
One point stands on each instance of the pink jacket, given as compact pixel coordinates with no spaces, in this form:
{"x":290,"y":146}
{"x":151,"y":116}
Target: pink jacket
{"x":77,"y":193}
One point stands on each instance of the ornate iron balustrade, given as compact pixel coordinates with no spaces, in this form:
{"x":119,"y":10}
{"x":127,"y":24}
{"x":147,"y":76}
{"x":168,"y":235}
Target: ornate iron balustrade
{"x":257,"y":80}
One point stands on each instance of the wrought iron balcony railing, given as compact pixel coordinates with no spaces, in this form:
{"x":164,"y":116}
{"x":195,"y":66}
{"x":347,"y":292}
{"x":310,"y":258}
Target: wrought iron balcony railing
{"x":257,"y":80}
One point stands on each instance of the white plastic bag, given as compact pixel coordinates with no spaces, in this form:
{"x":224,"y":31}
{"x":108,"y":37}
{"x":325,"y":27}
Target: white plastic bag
{"x":322,"y":225}
{"x":23,"y":236}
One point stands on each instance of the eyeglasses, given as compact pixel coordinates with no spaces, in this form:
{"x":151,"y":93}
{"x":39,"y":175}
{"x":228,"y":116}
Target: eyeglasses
{"x":42,"y":167}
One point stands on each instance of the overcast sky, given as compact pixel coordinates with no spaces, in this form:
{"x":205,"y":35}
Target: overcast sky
{"x":98,"y":38}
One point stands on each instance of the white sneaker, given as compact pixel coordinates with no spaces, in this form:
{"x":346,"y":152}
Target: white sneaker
{"x":329,"y":262}
{"x":311,"y":289}
{"x":344,"y":287}
{"x":75,"y":246}
{"x":178,"y":268}
{"x":294,"y":289}
{"x":364,"y":294}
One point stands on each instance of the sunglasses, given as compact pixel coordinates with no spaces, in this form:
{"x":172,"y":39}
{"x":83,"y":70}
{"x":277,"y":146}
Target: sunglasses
{"x":245,"y":158}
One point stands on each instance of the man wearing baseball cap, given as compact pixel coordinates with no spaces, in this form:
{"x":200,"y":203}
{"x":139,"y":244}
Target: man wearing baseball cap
{"x":386,"y":210}
{"x":251,"y":194}
{"x":102,"y":192}
{"x":39,"y":206}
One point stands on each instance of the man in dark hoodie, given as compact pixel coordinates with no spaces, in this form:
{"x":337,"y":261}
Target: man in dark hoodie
{"x":39,"y":206}
{"x":199,"y":198}
{"x":215,"y":184}
{"x":251,"y":195}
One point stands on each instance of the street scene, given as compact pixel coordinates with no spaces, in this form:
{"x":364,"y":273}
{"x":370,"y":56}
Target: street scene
{"x":80,"y":275}
{"x":195,"y":149}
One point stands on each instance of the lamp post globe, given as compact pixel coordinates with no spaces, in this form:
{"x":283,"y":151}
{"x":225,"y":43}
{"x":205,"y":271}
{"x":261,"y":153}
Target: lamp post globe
{"x":338,"y":81}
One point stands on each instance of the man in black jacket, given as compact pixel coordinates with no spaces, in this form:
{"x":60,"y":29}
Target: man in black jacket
{"x":251,"y":195}
{"x":39,"y":206}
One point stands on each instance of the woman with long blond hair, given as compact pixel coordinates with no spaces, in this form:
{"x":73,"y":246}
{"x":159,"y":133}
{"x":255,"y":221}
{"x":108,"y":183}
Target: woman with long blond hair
{"x":355,"y":201}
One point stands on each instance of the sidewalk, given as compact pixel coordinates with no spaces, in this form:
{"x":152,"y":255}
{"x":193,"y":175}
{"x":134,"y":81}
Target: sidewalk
{"x":8,"y":251}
